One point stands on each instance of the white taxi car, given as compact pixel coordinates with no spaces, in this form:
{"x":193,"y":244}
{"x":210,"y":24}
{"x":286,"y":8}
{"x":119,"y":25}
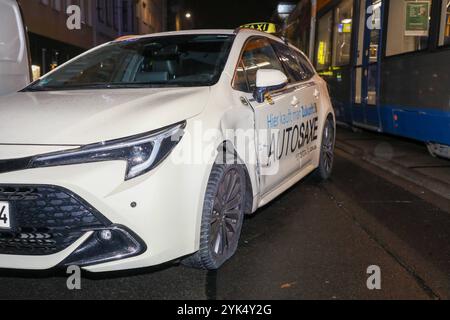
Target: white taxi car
{"x":152,"y":149}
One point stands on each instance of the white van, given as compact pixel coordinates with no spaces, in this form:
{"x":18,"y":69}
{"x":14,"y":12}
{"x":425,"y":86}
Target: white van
{"x":14,"y":58}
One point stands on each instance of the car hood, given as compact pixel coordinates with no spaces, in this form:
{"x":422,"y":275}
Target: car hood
{"x":90,"y":116}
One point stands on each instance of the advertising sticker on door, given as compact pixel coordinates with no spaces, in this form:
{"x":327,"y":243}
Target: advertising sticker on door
{"x":293,"y":132}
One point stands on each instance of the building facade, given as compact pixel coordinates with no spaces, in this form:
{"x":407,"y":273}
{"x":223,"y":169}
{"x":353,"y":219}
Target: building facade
{"x":180,"y":16}
{"x":52,"y":42}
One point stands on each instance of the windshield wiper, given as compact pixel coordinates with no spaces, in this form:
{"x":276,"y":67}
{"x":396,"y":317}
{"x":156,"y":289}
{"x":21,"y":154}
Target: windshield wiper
{"x":35,"y":89}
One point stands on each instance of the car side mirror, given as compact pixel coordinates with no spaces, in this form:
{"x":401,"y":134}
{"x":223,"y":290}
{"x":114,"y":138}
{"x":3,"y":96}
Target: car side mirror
{"x":268,"y":80}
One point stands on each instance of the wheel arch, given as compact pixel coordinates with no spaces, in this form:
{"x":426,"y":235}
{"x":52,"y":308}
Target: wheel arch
{"x":227,"y":150}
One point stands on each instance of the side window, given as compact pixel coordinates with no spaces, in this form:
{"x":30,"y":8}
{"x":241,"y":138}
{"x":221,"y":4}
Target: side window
{"x":408,"y":26}
{"x":323,"y":45}
{"x":342,"y":36}
{"x":289,"y":61}
{"x":295,"y":64}
{"x":259,"y":54}
{"x":307,"y":66}
{"x":240,"y":79}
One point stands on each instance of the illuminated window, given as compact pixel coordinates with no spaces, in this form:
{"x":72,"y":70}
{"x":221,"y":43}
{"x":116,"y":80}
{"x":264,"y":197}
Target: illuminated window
{"x":36,"y":72}
{"x":343,"y":33}
{"x":444,"y":37}
{"x":323,"y":46}
{"x":408,"y":26}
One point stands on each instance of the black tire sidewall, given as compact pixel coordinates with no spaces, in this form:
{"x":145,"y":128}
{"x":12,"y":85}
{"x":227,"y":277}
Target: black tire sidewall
{"x":322,"y":172}
{"x":208,"y":258}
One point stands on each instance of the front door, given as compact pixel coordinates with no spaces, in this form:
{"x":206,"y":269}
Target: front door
{"x":366,"y":84}
{"x":275,"y":118}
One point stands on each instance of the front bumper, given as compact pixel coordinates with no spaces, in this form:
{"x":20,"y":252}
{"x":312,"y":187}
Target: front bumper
{"x":161,"y":210}
{"x":47,"y":220}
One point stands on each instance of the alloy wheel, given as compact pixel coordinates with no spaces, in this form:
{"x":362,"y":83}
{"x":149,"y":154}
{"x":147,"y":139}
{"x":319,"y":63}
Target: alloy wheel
{"x":328,"y":147}
{"x":227,"y":213}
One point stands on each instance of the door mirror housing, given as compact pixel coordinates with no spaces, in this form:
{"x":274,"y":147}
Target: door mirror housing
{"x":268,"y":80}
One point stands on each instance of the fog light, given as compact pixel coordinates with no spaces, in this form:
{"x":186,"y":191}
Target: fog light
{"x":114,"y":243}
{"x":106,"y":235}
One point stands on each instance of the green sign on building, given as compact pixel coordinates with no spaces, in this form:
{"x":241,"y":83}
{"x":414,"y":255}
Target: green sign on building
{"x":417,"y":18}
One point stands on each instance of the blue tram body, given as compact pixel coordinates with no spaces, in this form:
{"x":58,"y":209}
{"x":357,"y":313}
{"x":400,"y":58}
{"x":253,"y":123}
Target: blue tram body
{"x":387,"y":63}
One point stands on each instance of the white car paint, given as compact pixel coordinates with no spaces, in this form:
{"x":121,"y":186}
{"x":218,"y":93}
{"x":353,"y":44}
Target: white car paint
{"x":270,"y":78}
{"x":14,"y":60}
{"x":169,"y":198}
{"x":80,"y":117}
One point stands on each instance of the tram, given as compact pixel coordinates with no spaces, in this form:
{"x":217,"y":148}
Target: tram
{"x":387,"y":63}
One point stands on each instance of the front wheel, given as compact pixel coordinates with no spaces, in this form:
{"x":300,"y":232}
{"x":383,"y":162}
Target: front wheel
{"x":223,"y":215}
{"x":326,"y":162}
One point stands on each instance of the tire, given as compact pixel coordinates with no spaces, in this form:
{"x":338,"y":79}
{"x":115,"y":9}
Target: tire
{"x":222,"y":218}
{"x":326,"y":162}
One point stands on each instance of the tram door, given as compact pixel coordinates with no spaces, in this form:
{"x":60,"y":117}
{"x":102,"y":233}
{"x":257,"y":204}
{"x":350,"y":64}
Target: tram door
{"x":366,"y":112}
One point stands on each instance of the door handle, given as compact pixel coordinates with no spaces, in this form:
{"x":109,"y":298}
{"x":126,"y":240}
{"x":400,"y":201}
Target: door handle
{"x":316,"y":93}
{"x":295,"y":101}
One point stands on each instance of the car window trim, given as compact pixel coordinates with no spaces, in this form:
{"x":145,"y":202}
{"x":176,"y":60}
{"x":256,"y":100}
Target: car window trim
{"x":301,"y":64}
{"x":283,"y":64}
{"x":290,"y":87}
{"x":251,"y":38}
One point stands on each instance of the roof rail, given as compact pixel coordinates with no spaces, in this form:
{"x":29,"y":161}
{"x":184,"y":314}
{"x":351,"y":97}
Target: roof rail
{"x":122,"y":38}
{"x":285,"y":40}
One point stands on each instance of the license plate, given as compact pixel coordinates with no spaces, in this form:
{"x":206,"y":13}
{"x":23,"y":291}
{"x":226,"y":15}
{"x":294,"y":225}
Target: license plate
{"x":5,"y":221}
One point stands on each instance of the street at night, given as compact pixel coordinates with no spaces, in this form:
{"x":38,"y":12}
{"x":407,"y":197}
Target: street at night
{"x":210,"y":153}
{"x":314,"y":242}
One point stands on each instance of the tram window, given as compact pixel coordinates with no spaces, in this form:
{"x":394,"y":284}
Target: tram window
{"x":444,"y":37}
{"x":298,"y":29}
{"x":323,"y":46}
{"x":358,"y":91}
{"x":372,"y":85}
{"x":342,"y":33}
{"x":408,"y":26}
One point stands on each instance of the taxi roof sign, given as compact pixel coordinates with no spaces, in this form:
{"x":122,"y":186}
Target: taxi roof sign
{"x":261,"y":26}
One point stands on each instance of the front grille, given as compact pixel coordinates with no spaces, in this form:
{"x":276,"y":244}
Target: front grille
{"x":45,"y":220}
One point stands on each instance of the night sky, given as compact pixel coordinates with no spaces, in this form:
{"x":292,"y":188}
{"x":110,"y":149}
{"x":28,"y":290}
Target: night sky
{"x":230,"y":14}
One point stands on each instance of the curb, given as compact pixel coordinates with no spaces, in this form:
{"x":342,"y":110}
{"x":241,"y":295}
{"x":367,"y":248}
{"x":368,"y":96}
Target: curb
{"x":438,"y":187}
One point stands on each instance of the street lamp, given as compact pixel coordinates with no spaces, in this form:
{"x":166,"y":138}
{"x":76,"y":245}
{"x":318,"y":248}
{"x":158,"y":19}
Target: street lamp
{"x":188,"y":15}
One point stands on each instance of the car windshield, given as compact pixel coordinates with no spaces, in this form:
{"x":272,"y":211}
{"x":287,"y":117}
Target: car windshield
{"x":182,"y":60}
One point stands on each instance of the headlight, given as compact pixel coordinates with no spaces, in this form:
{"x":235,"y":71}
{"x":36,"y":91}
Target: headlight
{"x":142,"y":153}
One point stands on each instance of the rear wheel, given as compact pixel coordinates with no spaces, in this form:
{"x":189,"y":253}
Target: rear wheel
{"x":223,"y":215}
{"x":326,"y":162}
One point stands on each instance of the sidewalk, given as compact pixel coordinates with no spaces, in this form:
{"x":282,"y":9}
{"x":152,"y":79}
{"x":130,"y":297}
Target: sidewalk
{"x":401,"y":157}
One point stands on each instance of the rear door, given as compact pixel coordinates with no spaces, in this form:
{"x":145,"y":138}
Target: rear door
{"x":305,"y":103}
{"x":14,"y":63}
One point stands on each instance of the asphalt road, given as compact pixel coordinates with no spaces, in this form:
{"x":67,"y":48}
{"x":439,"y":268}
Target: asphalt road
{"x":314,"y":242}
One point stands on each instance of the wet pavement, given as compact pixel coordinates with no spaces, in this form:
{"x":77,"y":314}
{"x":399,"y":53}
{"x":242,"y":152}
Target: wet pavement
{"x":314,"y":242}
